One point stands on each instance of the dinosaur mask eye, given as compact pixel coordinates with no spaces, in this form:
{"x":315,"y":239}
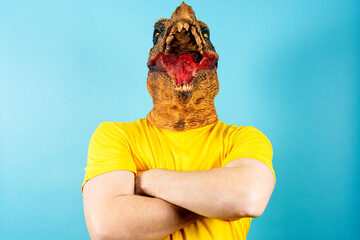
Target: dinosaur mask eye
{"x":206,"y":33}
{"x":159,"y":28}
{"x":156,"y":35}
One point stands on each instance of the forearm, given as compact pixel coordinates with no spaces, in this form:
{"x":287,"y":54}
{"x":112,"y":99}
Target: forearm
{"x":139,"y":217}
{"x":223,"y":193}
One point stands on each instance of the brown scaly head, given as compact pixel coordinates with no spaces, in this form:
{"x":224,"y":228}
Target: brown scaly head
{"x":182,"y":77}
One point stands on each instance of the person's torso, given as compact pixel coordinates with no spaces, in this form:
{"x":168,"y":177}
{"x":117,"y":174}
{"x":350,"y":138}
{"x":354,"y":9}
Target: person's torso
{"x":198,"y":149}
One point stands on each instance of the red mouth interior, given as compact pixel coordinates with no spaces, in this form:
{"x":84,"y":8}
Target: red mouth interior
{"x":183,"y":67}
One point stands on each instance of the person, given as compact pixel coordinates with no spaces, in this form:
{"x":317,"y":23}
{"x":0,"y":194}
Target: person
{"x":179,"y":173}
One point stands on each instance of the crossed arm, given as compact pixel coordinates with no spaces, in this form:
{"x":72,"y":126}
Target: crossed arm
{"x":175,"y":199}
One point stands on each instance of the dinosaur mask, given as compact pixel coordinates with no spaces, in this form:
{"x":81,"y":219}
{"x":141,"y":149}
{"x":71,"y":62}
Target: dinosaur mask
{"x":182,"y":77}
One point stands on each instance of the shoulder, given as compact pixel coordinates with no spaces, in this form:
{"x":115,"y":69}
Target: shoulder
{"x":120,"y":126}
{"x":117,"y":130}
{"x":249,"y":142}
{"x":249,"y":133}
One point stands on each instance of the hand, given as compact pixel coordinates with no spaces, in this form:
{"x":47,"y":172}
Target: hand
{"x":143,"y":180}
{"x":139,"y":183}
{"x":138,"y":189}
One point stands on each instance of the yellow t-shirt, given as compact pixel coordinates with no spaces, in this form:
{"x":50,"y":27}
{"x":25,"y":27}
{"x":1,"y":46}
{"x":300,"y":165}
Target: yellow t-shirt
{"x":138,"y":146}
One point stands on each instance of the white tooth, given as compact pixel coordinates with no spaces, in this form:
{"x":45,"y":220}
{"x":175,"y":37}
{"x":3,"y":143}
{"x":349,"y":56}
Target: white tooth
{"x":179,"y":26}
{"x":169,"y":39}
{"x":193,"y":31}
{"x":198,"y":41}
{"x":173,"y":30}
{"x":186,"y":26}
{"x":167,"y":49}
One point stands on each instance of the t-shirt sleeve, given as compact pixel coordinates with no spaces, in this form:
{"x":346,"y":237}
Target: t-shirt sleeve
{"x":108,"y":151}
{"x":249,"y":142}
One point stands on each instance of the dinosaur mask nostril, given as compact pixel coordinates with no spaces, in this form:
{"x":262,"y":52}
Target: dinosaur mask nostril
{"x":152,"y":66}
{"x":197,"y":57}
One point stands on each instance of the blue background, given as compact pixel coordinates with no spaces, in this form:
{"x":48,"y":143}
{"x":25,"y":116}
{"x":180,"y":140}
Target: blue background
{"x":289,"y":68}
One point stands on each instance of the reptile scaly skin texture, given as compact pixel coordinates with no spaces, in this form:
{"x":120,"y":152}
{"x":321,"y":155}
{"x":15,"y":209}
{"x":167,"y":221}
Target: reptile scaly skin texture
{"x":182,"y":78}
